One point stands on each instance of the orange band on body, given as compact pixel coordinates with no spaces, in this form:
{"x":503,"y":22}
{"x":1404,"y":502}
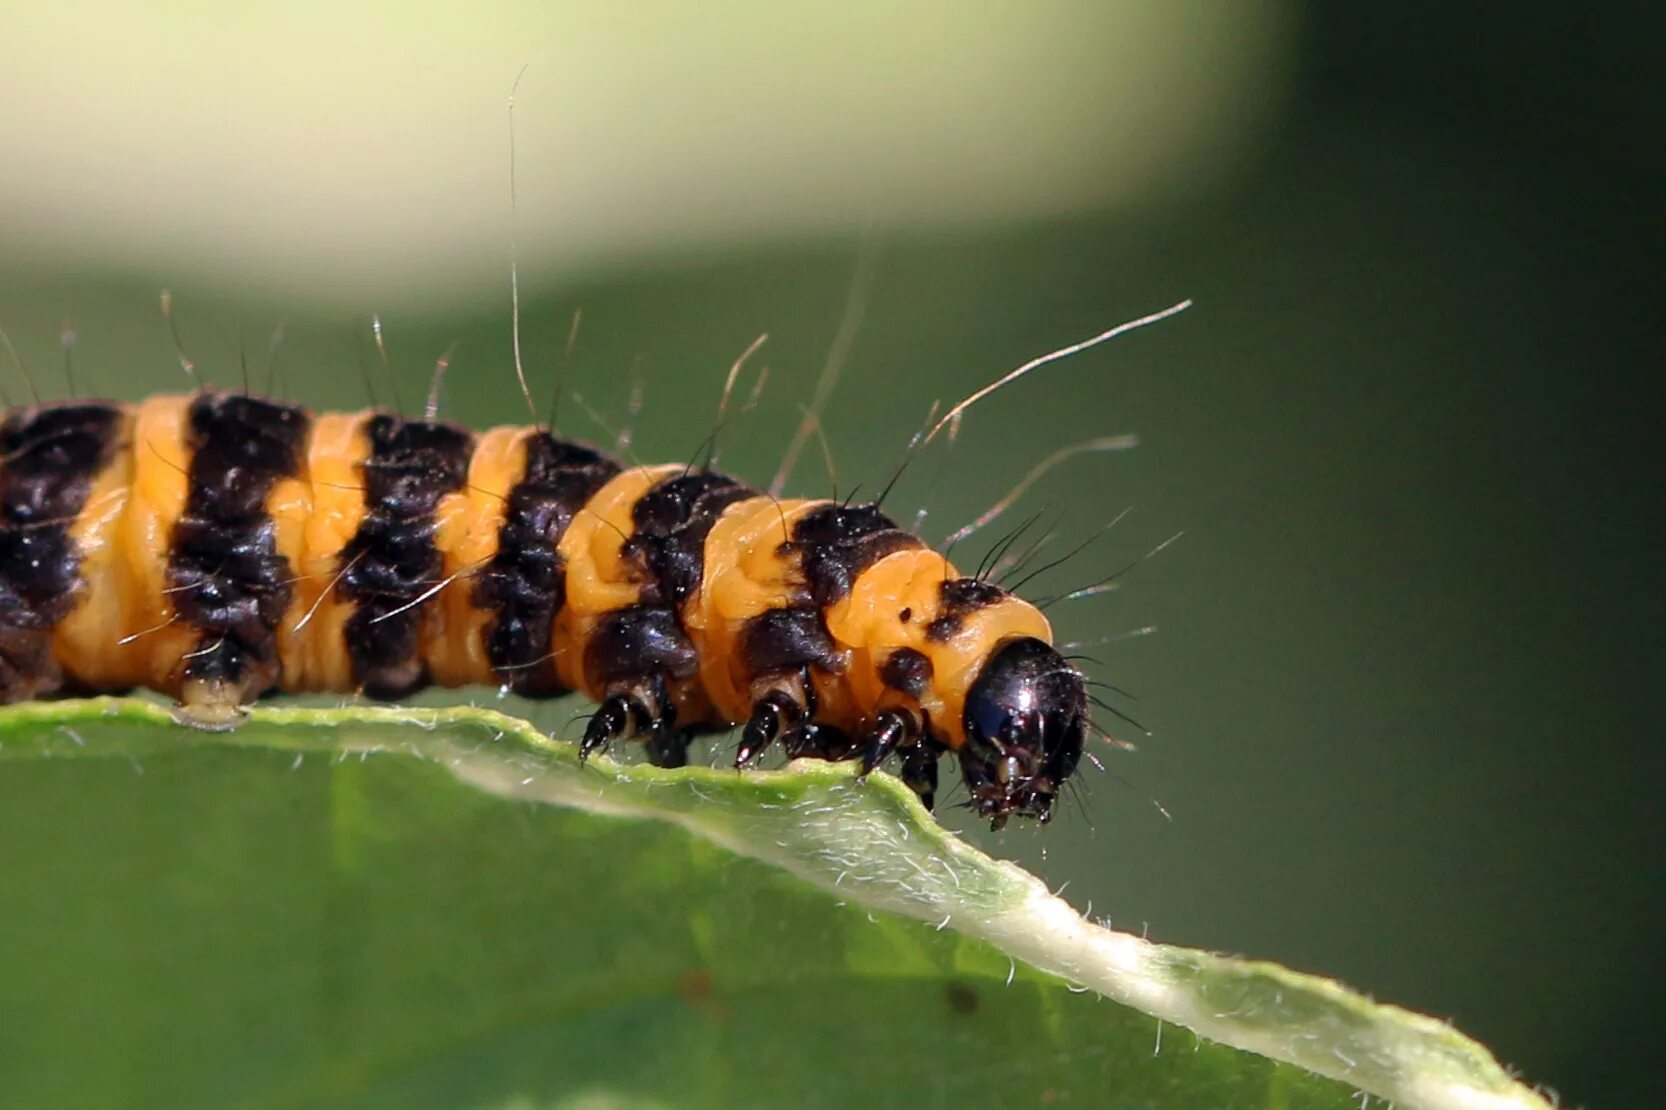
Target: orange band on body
{"x":86,"y":642}
{"x":467,"y":524}
{"x":599,"y":577}
{"x":315,"y":518}
{"x":143,"y":536}
{"x":746,"y":575}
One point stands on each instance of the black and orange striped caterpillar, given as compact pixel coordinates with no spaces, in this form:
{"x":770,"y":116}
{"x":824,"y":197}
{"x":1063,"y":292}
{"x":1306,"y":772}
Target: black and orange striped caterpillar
{"x":219,"y":547}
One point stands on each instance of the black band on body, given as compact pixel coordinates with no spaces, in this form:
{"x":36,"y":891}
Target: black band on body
{"x":392,"y":560}
{"x":639,"y":641}
{"x":525,"y":583}
{"x":670,"y":523}
{"x":225,"y":576}
{"x":49,"y":456}
{"x":960,"y":598}
{"x":838,"y":542}
{"x":782,"y":641}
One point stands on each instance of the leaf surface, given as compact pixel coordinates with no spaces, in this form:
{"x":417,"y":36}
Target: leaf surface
{"x":436,"y":908}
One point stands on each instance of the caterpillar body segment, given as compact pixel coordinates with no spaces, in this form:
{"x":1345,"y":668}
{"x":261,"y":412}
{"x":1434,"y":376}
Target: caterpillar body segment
{"x":50,"y":462}
{"x":219,"y":547}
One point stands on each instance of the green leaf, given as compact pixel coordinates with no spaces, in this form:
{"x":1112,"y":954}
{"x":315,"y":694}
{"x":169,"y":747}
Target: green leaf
{"x":400,"y":907}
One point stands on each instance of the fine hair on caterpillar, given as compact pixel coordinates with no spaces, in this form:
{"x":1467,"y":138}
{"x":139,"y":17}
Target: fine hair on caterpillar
{"x":222,"y":546}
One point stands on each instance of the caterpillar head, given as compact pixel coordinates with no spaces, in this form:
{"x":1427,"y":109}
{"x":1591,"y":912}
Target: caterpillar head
{"x":1026,"y":716}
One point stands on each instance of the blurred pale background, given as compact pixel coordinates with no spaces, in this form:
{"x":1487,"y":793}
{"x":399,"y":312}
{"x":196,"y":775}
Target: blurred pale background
{"x":359,"y":150}
{"x":1398,"y":693}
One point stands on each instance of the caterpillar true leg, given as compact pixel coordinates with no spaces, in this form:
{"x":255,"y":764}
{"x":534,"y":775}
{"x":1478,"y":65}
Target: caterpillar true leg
{"x":891,"y":730}
{"x":618,"y":717}
{"x":642,"y":709}
{"x":624,"y":715}
{"x":777,"y":715}
{"x":785,"y":709}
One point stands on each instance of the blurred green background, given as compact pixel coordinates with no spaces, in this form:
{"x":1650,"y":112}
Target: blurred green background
{"x":1398,"y":693}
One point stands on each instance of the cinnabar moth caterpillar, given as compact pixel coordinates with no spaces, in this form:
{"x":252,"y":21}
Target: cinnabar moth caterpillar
{"x":220,"y":547}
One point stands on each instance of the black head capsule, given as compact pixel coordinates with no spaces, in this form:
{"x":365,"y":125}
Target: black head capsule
{"x":1026,"y":717}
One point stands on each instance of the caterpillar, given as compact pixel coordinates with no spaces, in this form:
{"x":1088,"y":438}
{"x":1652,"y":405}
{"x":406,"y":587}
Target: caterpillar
{"x":219,"y":547}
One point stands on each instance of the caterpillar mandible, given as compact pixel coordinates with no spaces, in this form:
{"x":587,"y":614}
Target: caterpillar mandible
{"x":219,"y":547}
